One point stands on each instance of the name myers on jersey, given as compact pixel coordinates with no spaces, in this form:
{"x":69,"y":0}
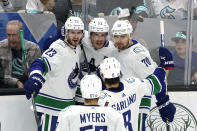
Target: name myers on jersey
{"x":92,"y":117}
{"x":124,"y":103}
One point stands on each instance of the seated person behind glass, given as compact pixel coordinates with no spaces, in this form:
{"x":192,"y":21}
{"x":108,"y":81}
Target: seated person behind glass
{"x":38,"y":6}
{"x":13,"y":73}
{"x":176,"y":76}
{"x":5,"y":6}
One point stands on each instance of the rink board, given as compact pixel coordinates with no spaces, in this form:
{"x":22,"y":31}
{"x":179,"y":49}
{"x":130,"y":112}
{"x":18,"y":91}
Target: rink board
{"x":16,"y":115}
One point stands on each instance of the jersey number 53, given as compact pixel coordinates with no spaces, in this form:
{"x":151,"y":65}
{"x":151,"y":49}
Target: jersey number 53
{"x":97,"y":128}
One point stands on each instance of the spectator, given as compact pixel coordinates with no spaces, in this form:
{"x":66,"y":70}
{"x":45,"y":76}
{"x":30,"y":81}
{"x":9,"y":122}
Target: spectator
{"x":39,"y":6}
{"x":90,"y":8}
{"x":62,"y":10}
{"x":11,"y":56}
{"x":176,"y":76}
{"x":5,"y":5}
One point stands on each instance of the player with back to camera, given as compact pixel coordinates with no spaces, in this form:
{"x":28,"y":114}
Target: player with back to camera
{"x":56,"y":72}
{"x":136,"y":61}
{"x":90,"y":116}
{"x":125,"y":95}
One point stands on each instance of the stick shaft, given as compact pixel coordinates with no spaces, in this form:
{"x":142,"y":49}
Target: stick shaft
{"x":162,"y":33}
{"x":26,"y":67}
{"x":86,"y":60}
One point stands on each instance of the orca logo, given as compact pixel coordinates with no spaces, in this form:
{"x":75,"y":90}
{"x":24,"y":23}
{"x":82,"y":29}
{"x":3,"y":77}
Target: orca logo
{"x":72,"y":79}
{"x":166,"y":13}
{"x":184,"y":120}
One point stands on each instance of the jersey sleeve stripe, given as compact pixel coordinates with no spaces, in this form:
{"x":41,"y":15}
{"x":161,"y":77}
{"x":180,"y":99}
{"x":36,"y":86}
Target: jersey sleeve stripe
{"x":156,"y":84}
{"x":53,"y":97}
{"x":145,"y":102}
{"x":152,"y":88}
{"x":46,"y":65}
{"x":53,"y":103}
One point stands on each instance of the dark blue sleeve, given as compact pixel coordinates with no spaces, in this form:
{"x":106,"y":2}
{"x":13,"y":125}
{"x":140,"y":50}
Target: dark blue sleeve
{"x":38,"y":64}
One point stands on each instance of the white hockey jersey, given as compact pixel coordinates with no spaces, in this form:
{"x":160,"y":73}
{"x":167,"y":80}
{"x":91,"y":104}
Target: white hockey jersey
{"x":90,"y":118}
{"x":126,"y":99}
{"x":62,"y":69}
{"x":135,"y":61}
{"x":95,"y":56}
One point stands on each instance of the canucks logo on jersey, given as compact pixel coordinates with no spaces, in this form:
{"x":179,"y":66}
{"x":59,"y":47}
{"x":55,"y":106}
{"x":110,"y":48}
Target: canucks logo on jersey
{"x":72,"y":79}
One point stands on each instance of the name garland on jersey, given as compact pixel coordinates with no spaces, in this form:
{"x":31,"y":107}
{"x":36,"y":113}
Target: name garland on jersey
{"x":125,"y":103}
{"x":72,"y":79}
{"x":92,"y":117}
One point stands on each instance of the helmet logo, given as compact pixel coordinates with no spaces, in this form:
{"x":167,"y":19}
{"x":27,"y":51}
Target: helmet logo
{"x":99,"y":23}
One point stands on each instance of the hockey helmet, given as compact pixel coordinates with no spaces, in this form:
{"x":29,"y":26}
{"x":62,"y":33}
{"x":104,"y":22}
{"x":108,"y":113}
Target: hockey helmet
{"x":91,"y":86}
{"x":74,"y":23}
{"x":110,"y":68}
{"x":98,"y":25}
{"x":121,"y":27}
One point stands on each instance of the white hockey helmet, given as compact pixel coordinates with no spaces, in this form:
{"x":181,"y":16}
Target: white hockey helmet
{"x":124,"y":13}
{"x":121,"y":27}
{"x":74,"y":23}
{"x":91,"y":86}
{"x":110,"y":68}
{"x":98,"y":25}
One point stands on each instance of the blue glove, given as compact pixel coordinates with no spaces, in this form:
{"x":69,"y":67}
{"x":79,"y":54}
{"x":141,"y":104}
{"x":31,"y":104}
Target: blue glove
{"x":166,"y":58}
{"x":34,"y":84}
{"x":166,"y":109}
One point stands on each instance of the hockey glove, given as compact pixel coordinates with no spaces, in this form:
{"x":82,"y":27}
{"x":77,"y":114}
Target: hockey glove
{"x":166,"y":109}
{"x":166,"y":58}
{"x":34,"y":84}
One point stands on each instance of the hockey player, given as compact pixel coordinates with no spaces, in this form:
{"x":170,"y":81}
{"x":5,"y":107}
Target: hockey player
{"x":90,"y":116}
{"x":125,"y":95}
{"x":136,"y":61}
{"x":56,"y":72}
{"x":96,"y":47}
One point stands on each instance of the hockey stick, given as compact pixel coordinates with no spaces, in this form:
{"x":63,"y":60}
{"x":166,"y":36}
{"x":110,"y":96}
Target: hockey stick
{"x":38,"y":122}
{"x":163,"y":45}
{"x":86,"y":60}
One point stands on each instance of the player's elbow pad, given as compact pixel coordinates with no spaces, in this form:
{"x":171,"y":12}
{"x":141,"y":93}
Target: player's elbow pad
{"x":160,"y":74}
{"x":38,"y":64}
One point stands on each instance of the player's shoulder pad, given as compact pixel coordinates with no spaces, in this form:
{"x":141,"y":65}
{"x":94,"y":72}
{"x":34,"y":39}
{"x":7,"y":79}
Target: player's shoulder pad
{"x":103,"y":95}
{"x":138,"y":49}
{"x":130,"y":80}
{"x":58,"y":44}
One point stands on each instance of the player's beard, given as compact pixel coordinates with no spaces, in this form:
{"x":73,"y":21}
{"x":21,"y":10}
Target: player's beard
{"x":121,"y":46}
{"x":73,"y":43}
